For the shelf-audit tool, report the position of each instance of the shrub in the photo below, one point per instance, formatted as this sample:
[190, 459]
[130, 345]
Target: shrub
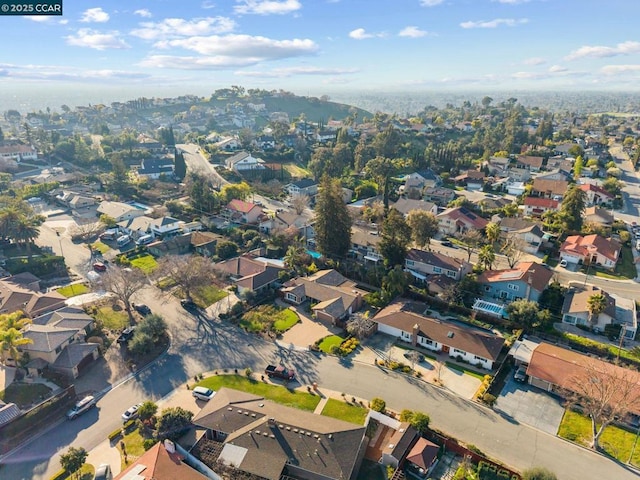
[147, 443]
[115, 434]
[378, 405]
[248, 372]
[489, 399]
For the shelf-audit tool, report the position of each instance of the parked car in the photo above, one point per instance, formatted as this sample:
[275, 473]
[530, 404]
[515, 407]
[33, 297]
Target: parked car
[563, 263]
[141, 308]
[203, 393]
[99, 267]
[279, 371]
[82, 406]
[189, 305]
[447, 243]
[132, 412]
[103, 472]
[521, 374]
[123, 240]
[126, 334]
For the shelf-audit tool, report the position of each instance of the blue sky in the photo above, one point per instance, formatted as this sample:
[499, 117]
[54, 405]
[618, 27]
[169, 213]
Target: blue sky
[327, 45]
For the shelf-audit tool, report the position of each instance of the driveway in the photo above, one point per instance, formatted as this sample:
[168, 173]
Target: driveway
[531, 406]
[306, 331]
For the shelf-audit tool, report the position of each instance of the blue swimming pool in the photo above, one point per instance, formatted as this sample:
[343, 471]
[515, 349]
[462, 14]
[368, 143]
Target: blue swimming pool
[314, 254]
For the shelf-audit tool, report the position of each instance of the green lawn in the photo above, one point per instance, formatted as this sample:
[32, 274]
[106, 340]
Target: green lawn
[112, 319]
[208, 295]
[23, 394]
[327, 342]
[73, 290]
[133, 445]
[100, 247]
[473, 373]
[615, 441]
[344, 411]
[296, 170]
[625, 268]
[146, 263]
[285, 320]
[87, 472]
[276, 393]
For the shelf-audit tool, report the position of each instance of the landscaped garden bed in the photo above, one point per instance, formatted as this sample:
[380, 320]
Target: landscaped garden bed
[337, 345]
[265, 318]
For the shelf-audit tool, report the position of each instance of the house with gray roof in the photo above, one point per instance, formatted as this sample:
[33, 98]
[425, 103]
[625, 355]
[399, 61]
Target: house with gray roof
[273, 441]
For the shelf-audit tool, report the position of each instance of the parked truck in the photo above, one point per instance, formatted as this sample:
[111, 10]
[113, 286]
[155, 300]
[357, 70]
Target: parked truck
[284, 373]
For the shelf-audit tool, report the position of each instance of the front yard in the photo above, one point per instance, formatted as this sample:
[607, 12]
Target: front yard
[265, 318]
[112, 317]
[625, 268]
[329, 343]
[73, 290]
[615, 441]
[208, 295]
[24, 394]
[146, 263]
[348, 412]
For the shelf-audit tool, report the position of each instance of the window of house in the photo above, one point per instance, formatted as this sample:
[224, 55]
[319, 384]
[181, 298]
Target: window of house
[292, 297]
[478, 358]
[487, 288]
[461, 352]
[513, 287]
[410, 263]
[451, 274]
[437, 270]
[58, 349]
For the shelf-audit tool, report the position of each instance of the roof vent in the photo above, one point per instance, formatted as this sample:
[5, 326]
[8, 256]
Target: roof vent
[295, 430]
[391, 445]
[272, 436]
[331, 435]
[265, 434]
[450, 334]
[230, 409]
[253, 415]
[261, 405]
[288, 429]
[239, 411]
[281, 426]
[401, 430]
[316, 436]
[257, 432]
[246, 413]
[308, 434]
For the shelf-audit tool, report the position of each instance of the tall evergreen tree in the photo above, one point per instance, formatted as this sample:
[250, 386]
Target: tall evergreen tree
[333, 223]
[573, 207]
[179, 165]
[395, 238]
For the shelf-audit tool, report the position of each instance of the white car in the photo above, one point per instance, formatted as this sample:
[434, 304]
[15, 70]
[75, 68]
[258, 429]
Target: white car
[132, 412]
[563, 263]
[203, 393]
[82, 406]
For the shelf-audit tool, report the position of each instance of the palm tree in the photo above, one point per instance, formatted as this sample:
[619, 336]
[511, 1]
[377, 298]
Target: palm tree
[596, 304]
[294, 258]
[15, 320]
[492, 230]
[487, 256]
[10, 340]
[27, 230]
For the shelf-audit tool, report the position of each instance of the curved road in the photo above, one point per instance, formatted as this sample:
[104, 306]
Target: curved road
[197, 162]
[201, 345]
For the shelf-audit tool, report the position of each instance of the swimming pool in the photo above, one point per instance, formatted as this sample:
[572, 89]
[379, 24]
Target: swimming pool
[314, 254]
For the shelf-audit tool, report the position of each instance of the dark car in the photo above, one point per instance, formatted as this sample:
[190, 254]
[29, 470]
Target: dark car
[99, 267]
[447, 243]
[521, 374]
[126, 334]
[141, 308]
[189, 305]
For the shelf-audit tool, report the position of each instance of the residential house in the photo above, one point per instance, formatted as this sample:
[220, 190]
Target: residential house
[364, 244]
[406, 321]
[58, 341]
[165, 227]
[561, 163]
[22, 292]
[163, 461]
[18, 152]
[324, 136]
[281, 221]
[529, 162]
[472, 179]
[244, 161]
[562, 149]
[530, 238]
[176, 245]
[266, 142]
[424, 263]
[555, 174]
[538, 206]
[491, 204]
[512, 224]
[460, 219]
[516, 174]
[228, 144]
[136, 227]
[119, 211]
[596, 195]
[515, 188]
[575, 309]
[333, 296]
[554, 189]
[527, 280]
[155, 167]
[272, 441]
[420, 180]
[497, 165]
[205, 243]
[250, 274]
[406, 205]
[239, 211]
[149, 143]
[74, 200]
[557, 370]
[592, 250]
[305, 186]
[439, 195]
[598, 216]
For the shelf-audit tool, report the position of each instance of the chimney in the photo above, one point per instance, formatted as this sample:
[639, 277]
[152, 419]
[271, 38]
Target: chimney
[414, 334]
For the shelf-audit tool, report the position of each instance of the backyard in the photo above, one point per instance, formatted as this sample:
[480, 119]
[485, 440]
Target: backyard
[615, 441]
[24, 394]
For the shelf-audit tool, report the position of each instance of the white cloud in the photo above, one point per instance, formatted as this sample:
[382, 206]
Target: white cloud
[529, 75]
[534, 61]
[412, 32]
[557, 69]
[207, 5]
[619, 69]
[625, 48]
[218, 62]
[179, 27]
[96, 15]
[85, 37]
[509, 22]
[266, 7]
[143, 12]
[361, 34]
[430, 3]
[512, 2]
[245, 45]
[291, 71]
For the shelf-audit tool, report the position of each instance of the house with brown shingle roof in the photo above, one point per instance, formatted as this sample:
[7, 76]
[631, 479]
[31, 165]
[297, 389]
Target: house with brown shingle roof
[249, 274]
[527, 280]
[529, 162]
[555, 189]
[591, 249]
[598, 215]
[575, 309]
[460, 219]
[18, 293]
[273, 441]
[335, 296]
[433, 263]
[406, 321]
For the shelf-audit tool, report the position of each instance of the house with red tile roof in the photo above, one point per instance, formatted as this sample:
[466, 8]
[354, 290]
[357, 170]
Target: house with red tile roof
[537, 206]
[460, 219]
[527, 280]
[161, 462]
[596, 195]
[406, 320]
[240, 211]
[591, 249]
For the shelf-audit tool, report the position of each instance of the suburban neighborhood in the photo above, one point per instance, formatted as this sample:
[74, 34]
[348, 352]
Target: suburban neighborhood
[229, 287]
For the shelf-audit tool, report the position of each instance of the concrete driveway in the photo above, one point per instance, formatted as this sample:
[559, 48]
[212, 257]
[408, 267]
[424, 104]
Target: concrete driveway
[530, 405]
[305, 332]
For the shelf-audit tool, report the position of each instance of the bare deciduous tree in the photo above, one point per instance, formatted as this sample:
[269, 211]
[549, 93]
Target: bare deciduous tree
[605, 393]
[187, 272]
[513, 249]
[414, 357]
[470, 239]
[299, 203]
[123, 283]
[360, 325]
[86, 231]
